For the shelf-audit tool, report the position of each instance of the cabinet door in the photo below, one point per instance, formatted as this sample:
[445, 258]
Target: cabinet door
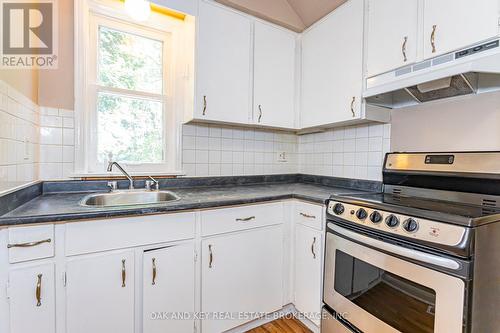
[242, 273]
[223, 71]
[332, 67]
[32, 299]
[100, 293]
[458, 23]
[308, 258]
[392, 35]
[168, 287]
[274, 76]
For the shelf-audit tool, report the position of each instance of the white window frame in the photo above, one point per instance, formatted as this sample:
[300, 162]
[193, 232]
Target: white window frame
[89, 15]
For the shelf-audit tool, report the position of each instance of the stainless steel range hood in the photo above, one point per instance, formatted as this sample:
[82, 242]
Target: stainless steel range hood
[469, 71]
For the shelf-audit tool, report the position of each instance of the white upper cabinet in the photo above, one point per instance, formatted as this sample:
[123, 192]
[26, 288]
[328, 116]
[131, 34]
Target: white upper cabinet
[392, 35]
[168, 286]
[332, 67]
[223, 79]
[100, 293]
[274, 76]
[452, 24]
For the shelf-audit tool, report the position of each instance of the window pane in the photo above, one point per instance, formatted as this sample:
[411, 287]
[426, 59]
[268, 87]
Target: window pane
[129, 61]
[129, 128]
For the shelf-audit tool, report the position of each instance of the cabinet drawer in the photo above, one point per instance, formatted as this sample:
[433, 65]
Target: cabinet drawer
[29, 243]
[309, 215]
[120, 233]
[240, 218]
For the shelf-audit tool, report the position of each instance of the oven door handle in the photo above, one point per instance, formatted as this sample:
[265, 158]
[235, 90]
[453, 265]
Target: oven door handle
[398, 250]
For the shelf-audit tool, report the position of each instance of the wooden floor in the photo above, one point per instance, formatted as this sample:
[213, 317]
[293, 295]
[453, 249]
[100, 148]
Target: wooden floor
[284, 325]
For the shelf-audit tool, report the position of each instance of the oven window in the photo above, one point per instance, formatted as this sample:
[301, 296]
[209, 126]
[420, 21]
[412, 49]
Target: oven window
[400, 303]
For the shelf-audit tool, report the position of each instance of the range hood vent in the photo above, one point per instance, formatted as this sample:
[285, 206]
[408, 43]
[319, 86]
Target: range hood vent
[471, 71]
[457, 85]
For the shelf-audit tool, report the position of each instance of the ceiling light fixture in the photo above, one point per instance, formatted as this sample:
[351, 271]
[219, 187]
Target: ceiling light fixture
[139, 10]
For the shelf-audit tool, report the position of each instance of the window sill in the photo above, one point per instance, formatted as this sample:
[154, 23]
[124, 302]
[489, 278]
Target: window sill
[109, 175]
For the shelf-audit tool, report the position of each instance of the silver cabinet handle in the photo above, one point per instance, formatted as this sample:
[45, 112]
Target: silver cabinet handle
[38, 291]
[246, 219]
[308, 216]
[433, 38]
[403, 49]
[312, 248]
[154, 271]
[210, 256]
[352, 106]
[260, 113]
[204, 105]
[124, 273]
[30, 244]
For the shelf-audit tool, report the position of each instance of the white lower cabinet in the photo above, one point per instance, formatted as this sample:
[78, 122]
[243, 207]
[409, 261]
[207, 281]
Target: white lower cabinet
[308, 259]
[32, 299]
[145, 282]
[242, 274]
[100, 293]
[168, 289]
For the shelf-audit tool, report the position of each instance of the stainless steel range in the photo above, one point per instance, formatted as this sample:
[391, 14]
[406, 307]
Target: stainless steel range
[421, 257]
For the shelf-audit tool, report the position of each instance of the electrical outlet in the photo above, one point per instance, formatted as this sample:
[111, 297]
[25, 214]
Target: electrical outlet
[282, 157]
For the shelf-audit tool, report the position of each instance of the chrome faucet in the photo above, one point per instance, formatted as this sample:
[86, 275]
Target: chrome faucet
[110, 168]
[152, 184]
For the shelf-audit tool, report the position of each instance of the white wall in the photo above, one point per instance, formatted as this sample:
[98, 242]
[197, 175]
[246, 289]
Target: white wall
[461, 124]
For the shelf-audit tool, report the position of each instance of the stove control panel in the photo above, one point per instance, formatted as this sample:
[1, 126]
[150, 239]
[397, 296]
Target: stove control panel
[399, 224]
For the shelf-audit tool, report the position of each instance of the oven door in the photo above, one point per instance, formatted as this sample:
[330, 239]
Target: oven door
[378, 292]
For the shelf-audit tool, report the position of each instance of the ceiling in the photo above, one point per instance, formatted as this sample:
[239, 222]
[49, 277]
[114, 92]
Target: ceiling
[296, 15]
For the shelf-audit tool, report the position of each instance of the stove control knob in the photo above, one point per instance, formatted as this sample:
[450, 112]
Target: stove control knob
[338, 209]
[392, 221]
[361, 214]
[375, 217]
[410, 225]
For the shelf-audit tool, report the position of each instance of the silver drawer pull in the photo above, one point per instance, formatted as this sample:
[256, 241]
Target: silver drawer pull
[204, 112]
[38, 291]
[312, 248]
[124, 274]
[308, 216]
[246, 219]
[403, 48]
[210, 256]
[154, 272]
[30, 244]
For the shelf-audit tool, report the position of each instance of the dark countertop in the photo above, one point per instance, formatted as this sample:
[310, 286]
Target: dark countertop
[54, 207]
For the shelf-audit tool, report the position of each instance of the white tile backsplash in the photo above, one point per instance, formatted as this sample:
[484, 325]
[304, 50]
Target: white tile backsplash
[210, 150]
[352, 152]
[19, 136]
[57, 143]
[35, 142]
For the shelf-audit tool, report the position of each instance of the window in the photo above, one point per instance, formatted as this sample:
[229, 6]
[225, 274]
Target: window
[129, 101]
[131, 93]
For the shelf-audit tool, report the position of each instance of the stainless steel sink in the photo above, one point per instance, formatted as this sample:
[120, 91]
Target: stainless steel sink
[129, 198]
